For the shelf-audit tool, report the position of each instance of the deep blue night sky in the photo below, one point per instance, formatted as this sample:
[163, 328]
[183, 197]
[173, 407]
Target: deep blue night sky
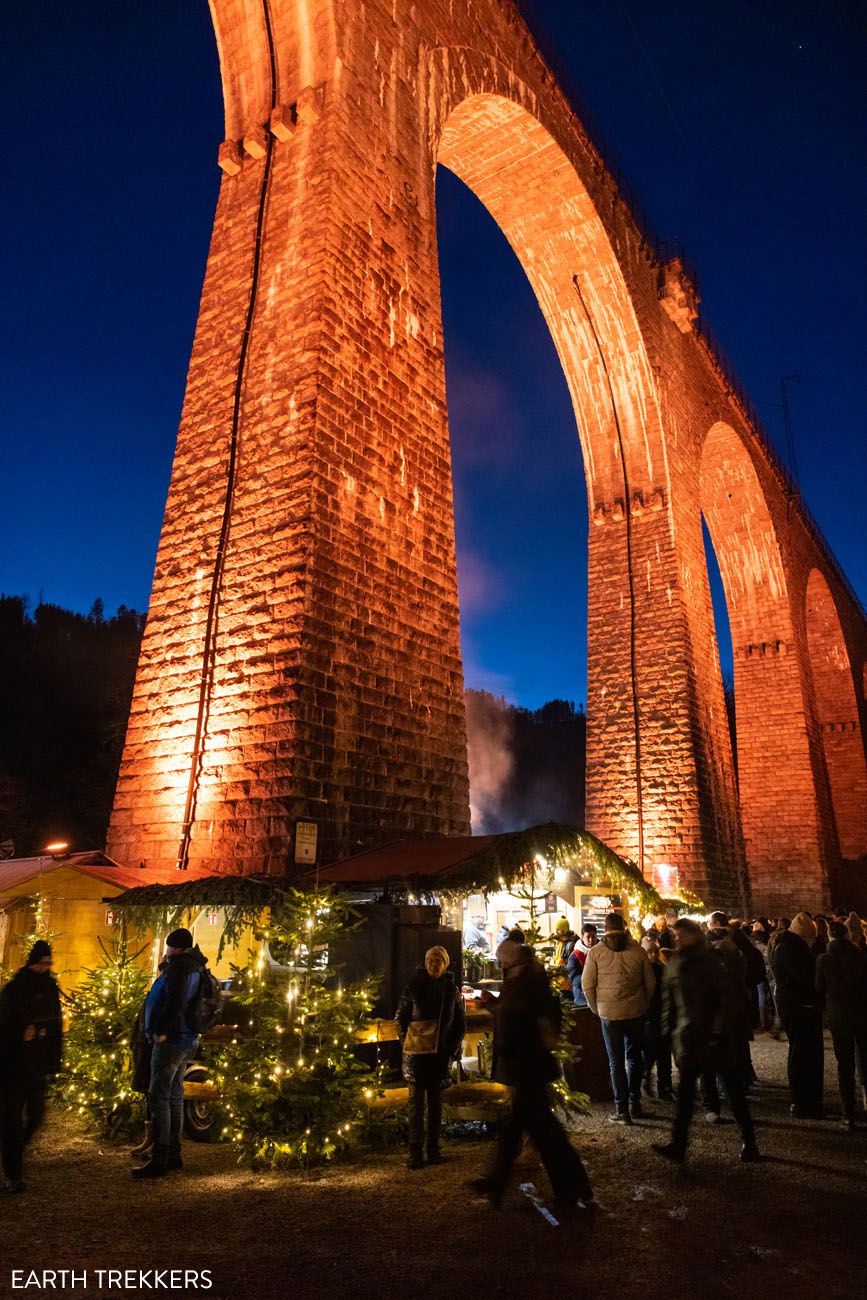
[743, 129]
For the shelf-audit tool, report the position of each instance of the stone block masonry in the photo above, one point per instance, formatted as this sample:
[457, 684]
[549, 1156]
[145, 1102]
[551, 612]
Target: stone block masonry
[316, 647]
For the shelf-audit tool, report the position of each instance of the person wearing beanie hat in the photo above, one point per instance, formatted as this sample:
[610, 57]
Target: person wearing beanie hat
[31, 1040]
[169, 1025]
[430, 1026]
[793, 963]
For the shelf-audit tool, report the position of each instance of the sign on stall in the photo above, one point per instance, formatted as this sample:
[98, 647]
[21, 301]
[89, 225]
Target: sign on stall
[595, 906]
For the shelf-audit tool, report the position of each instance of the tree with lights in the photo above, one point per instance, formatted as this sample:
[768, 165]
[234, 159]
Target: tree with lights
[97, 1077]
[293, 1088]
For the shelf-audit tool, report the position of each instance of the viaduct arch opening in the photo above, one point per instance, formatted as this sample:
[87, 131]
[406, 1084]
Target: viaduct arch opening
[516, 169]
[835, 708]
[775, 777]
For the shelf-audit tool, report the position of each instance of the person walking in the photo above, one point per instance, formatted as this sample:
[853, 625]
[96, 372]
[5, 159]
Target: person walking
[31, 1041]
[430, 1024]
[170, 1026]
[527, 1020]
[794, 967]
[700, 1012]
[618, 983]
[841, 982]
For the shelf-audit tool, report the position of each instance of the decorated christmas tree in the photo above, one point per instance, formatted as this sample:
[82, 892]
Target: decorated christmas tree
[294, 1090]
[96, 1052]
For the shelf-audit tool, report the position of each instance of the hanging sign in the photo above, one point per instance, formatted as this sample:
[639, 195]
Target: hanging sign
[551, 903]
[109, 917]
[213, 918]
[306, 836]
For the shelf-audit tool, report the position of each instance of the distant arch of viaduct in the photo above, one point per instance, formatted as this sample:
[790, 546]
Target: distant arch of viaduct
[302, 654]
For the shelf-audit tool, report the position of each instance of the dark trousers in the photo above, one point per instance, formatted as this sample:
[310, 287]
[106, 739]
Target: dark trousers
[850, 1048]
[22, 1103]
[166, 1092]
[623, 1040]
[803, 1027]
[657, 1051]
[530, 1112]
[418, 1093]
[732, 1082]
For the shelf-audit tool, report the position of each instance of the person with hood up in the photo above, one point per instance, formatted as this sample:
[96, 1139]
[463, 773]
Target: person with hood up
[618, 983]
[700, 1013]
[794, 966]
[169, 1026]
[841, 982]
[527, 1020]
[430, 1025]
[31, 1038]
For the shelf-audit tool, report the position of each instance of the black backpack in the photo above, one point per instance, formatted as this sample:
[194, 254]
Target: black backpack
[207, 1005]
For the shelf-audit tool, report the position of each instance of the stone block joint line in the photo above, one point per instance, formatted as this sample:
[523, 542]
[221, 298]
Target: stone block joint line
[209, 647]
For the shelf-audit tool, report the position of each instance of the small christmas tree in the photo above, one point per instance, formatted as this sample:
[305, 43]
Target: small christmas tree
[97, 1060]
[294, 1090]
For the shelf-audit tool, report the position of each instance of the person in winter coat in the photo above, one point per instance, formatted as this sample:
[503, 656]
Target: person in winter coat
[169, 1027]
[31, 1038]
[700, 1012]
[657, 1050]
[855, 927]
[794, 967]
[841, 982]
[430, 1025]
[576, 960]
[527, 1019]
[618, 983]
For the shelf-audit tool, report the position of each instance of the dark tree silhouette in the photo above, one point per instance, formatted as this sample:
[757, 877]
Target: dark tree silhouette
[65, 690]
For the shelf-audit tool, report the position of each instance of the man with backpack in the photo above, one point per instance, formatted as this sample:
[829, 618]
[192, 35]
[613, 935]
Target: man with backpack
[183, 1002]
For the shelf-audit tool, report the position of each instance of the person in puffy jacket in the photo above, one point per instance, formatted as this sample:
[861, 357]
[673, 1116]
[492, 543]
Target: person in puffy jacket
[527, 1020]
[31, 1036]
[841, 982]
[794, 967]
[168, 1027]
[618, 983]
[430, 1024]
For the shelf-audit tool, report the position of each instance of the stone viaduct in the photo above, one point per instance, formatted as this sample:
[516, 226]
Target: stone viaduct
[302, 654]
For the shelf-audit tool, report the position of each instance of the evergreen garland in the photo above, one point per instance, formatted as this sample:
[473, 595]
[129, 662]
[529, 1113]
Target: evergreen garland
[293, 1089]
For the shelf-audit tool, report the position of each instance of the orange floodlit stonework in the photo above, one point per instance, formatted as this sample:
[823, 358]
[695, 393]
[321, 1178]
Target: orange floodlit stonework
[302, 655]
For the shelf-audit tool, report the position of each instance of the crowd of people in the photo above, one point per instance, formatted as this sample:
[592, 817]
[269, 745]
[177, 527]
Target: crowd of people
[688, 993]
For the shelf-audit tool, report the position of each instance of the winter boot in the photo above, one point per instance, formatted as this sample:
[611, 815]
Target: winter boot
[620, 1116]
[174, 1161]
[144, 1147]
[157, 1166]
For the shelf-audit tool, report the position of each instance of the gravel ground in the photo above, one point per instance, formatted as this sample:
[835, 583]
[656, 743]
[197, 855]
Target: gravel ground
[790, 1227]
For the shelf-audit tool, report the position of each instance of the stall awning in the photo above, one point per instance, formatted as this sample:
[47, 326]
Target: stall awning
[463, 863]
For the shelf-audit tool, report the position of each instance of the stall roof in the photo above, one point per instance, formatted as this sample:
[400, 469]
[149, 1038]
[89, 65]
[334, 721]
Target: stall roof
[95, 863]
[462, 863]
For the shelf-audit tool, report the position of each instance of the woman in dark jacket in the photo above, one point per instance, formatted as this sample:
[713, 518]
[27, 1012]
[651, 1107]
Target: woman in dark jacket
[794, 967]
[527, 1023]
[430, 1025]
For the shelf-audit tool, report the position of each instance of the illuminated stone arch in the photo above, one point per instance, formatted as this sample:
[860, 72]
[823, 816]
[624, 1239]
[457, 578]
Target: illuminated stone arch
[302, 653]
[775, 773]
[835, 711]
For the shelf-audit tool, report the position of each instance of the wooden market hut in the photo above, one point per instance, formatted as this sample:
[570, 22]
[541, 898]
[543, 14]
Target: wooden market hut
[70, 898]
